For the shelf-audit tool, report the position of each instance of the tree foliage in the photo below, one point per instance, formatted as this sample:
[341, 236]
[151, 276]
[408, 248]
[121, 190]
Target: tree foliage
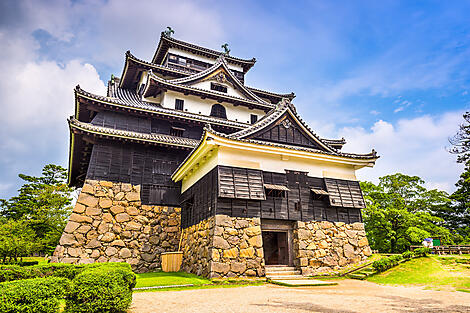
[399, 212]
[42, 204]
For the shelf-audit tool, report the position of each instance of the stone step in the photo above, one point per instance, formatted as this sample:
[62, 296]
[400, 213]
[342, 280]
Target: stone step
[285, 277]
[302, 282]
[357, 276]
[279, 273]
[280, 268]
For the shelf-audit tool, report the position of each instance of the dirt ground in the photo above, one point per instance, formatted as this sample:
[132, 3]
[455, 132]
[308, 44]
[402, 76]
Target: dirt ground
[347, 296]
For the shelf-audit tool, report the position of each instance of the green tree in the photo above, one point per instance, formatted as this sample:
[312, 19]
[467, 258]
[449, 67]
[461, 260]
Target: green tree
[17, 239]
[399, 212]
[44, 203]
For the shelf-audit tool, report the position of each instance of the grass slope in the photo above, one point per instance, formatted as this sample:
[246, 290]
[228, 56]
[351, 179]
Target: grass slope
[450, 272]
[168, 279]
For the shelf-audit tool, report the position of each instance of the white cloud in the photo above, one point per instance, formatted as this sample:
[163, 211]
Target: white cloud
[411, 146]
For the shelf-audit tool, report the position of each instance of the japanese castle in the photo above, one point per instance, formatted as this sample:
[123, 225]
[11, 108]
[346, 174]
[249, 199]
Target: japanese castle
[182, 155]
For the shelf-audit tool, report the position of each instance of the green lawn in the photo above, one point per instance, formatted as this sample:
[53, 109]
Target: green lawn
[168, 279]
[155, 279]
[451, 272]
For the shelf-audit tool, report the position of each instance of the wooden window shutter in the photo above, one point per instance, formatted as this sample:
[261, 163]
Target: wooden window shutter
[241, 183]
[344, 193]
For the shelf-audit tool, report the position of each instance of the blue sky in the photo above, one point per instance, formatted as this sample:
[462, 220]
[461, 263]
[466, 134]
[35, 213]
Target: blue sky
[389, 75]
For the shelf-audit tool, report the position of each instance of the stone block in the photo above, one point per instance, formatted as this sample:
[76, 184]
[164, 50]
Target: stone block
[79, 208]
[91, 211]
[256, 241]
[363, 242]
[108, 237]
[71, 227]
[348, 251]
[116, 209]
[250, 273]
[237, 267]
[241, 223]
[122, 217]
[247, 253]
[125, 253]
[223, 220]
[118, 243]
[80, 218]
[358, 226]
[107, 217]
[253, 231]
[231, 231]
[67, 240]
[110, 251]
[220, 243]
[132, 210]
[231, 253]
[92, 244]
[221, 268]
[303, 261]
[107, 184]
[133, 196]
[133, 226]
[87, 200]
[105, 203]
[87, 188]
[304, 234]
[83, 229]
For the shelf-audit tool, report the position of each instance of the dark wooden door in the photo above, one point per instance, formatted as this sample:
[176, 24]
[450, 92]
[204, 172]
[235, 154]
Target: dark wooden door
[275, 248]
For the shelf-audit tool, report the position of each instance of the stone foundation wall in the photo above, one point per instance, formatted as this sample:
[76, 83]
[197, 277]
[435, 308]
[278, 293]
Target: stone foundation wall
[224, 246]
[109, 224]
[196, 245]
[321, 247]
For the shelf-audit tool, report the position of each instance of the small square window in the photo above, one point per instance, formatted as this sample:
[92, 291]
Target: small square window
[179, 104]
[253, 118]
[217, 87]
[176, 131]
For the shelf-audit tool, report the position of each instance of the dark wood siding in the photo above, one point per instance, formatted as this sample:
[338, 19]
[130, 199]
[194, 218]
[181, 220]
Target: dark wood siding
[199, 201]
[150, 167]
[299, 203]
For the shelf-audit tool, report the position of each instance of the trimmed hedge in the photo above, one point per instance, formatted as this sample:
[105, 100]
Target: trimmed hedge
[102, 289]
[39, 295]
[15, 272]
[98, 287]
[392, 261]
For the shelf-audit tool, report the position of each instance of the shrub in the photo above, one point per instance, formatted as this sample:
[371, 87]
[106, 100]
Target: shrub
[105, 288]
[407, 255]
[15, 272]
[39, 295]
[386, 263]
[423, 251]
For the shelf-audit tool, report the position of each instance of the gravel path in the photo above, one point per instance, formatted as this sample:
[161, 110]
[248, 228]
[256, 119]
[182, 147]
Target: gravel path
[347, 296]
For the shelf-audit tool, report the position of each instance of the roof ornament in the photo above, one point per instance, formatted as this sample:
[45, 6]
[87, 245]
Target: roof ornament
[169, 31]
[226, 49]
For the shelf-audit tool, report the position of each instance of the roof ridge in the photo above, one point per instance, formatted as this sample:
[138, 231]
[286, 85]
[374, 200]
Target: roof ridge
[163, 36]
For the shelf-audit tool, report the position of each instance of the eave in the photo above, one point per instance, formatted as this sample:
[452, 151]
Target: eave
[211, 141]
[82, 113]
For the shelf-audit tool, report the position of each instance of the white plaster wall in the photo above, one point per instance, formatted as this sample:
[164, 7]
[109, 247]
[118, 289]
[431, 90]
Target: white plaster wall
[206, 85]
[203, 169]
[202, 58]
[278, 163]
[197, 105]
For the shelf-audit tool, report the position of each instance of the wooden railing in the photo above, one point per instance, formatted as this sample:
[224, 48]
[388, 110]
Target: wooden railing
[464, 249]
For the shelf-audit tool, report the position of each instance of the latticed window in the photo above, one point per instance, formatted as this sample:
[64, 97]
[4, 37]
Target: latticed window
[179, 104]
[218, 110]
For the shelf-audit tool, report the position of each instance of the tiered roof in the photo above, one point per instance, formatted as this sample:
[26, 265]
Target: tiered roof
[122, 96]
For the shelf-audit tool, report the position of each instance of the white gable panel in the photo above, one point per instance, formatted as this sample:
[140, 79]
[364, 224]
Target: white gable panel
[197, 105]
[206, 85]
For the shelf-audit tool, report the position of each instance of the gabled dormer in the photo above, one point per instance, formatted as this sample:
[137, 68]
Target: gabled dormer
[283, 125]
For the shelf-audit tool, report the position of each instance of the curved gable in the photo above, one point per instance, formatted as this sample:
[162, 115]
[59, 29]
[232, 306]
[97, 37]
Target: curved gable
[288, 131]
